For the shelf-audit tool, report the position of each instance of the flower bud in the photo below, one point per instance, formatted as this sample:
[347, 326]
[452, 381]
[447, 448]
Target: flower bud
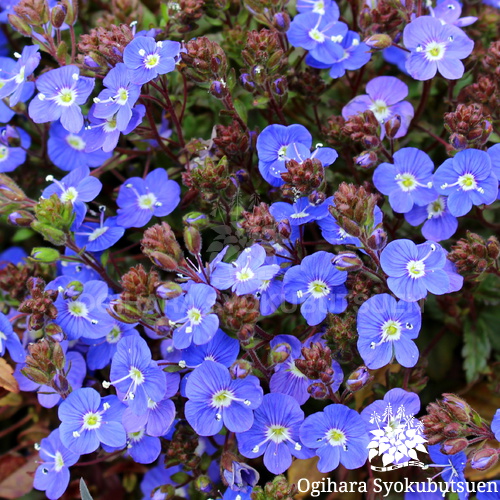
[284, 228]
[168, 290]
[21, 218]
[203, 484]
[378, 41]
[89, 62]
[196, 219]
[392, 126]
[347, 261]
[219, 89]
[58, 15]
[73, 290]
[484, 459]
[358, 379]
[246, 82]
[192, 240]
[457, 407]
[281, 21]
[318, 390]
[378, 239]
[280, 353]
[20, 25]
[245, 334]
[453, 430]
[44, 254]
[316, 198]
[280, 86]
[366, 159]
[241, 368]
[453, 446]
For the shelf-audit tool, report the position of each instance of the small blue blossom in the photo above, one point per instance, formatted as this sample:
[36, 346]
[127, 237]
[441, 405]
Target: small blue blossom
[241, 477]
[386, 329]
[414, 270]
[246, 274]
[449, 12]
[142, 448]
[141, 199]
[275, 433]
[87, 421]
[12, 157]
[318, 286]
[318, 6]
[338, 435]
[491, 491]
[52, 475]
[434, 47]
[452, 469]
[96, 237]
[193, 312]
[146, 59]
[10, 341]
[136, 377]
[467, 179]
[408, 181]
[61, 92]
[216, 400]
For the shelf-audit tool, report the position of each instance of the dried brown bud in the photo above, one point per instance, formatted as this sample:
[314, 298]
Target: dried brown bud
[259, 224]
[160, 245]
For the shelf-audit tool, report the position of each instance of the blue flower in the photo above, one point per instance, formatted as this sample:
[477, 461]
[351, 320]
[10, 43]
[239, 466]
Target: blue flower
[77, 187]
[395, 55]
[414, 270]
[318, 286]
[241, 477]
[434, 47]
[146, 59]
[453, 467]
[52, 475]
[12, 157]
[61, 92]
[158, 476]
[118, 98]
[495, 425]
[339, 435]
[355, 55]
[84, 315]
[467, 179]
[96, 237]
[215, 400]
[135, 375]
[246, 274]
[193, 312]
[16, 84]
[67, 150]
[439, 223]
[408, 181]
[275, 433]
[272, 144]
[142, 448]
[494, 154]
[386, 329]
[449, 11]
[385, 98]
[10, 341]
[220, 348]
[141, 199]
[87, 421]
[491, 491]
[318, 6]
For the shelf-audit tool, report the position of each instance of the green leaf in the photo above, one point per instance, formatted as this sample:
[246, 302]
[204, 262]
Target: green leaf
[22, 234]
[241, 109]
[476, 349]
[180, 477]
[84, 491]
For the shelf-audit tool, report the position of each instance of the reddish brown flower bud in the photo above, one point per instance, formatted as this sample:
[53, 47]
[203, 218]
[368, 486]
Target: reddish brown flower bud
[160, 245]
[301, 179]
[260, 224]
[453, 446]
[484, 459]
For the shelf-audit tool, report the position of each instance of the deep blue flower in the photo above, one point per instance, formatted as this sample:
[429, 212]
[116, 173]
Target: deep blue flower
[7, 67]
[158, 476]
[141, 199]
[146, 59]
[10, 341]
[96, 237]
[52, 475]
[385, 98]
[15, 85]
[408, 181]
[77, 187]
[87, 421]
[395, 55]
[12, 157]
[61, 92]
[491, 491]
[318, 286]
[386, 329]
[84, 315]
[494, 154]
[193, 313]
[434, 47]
[215, 400]
[67, 150]
[452, 467]
[439, 223]
[136, 377]
[142, 448]
[339, 435]
[275, 433]
[118, 98]
[76, 270]
[414, 270]
[246, 274]
[449, 12]
[15, 255]
[467, 179]
[220, 348]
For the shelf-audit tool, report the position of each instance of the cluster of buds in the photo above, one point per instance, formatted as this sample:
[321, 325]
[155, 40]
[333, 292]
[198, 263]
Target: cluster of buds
[364, 128]
[212, 179]
[232, 142]
[473, 255]
[484, 91]
[301, 179]
[138, 297]
[277, 489]
[13, 279]
[468, 126]
[103, 48]
[317, 366]
[181, 449]
[121, 11]
[451, 421]
[12, 197]
[491, 61]
[387, 17]
[353, 210]
[39, 304]
[271, 13]
[240, 313]
[161, 246]
[259, 224]
[45, 365]
[307, 83]
[53, 219]
[342, 333]
[183, 14]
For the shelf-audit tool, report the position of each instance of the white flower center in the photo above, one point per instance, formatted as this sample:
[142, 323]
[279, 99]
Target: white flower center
[66, 97]
[151, 61]
[222, 398]
[98, 232]
[245, 274]
[58, 461]
[4, 153]
[336, 437]
[70, 194]
[147, 201]
[135, 437]
[75, 142]
[318, 289]
[436, 208]
[316, 35]
[407, 182]
[122, 96]
[92, 420]
[78, 309]
[416, 268]
[434, 51]
[319, 7]
[194, 315]
[114, 336]
[278, 434]
[299, 215]
[467, 182]
[380, 109]
[136, 375]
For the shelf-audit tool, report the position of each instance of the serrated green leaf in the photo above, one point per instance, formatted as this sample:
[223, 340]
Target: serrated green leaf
[84, 491]
[476, 349]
